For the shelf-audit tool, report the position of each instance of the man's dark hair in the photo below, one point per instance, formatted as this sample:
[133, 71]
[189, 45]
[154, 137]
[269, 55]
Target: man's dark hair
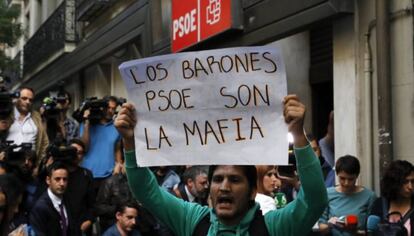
[394, 178]
[12, 187]
[348, 164]
[55, 166]
[31, 155]
[192, 173]
[249, 171]
[121, 206]
[111, 98]
[28, 88]
[78, 142]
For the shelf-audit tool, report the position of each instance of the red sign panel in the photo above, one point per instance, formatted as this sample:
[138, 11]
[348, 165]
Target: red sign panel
[196, 20]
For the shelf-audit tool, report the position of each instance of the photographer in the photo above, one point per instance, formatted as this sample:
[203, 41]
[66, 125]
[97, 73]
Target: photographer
[102, 140]
[59, 126]
[70, 126]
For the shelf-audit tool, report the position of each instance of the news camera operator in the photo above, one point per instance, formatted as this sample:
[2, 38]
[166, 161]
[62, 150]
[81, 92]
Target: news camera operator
[102, 140]
[59, 126]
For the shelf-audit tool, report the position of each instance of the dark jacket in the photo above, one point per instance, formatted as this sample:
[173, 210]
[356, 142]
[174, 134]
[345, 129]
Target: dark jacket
[80, 195]
[112, 192]
[45, 219]
[180, 192]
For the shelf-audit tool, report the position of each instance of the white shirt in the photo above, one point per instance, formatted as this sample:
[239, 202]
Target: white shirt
[266, 203]
[56, 201]
[24, 131]
[189, 195]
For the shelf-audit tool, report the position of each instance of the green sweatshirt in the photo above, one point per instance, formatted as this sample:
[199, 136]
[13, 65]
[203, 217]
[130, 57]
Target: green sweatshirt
[297, 218]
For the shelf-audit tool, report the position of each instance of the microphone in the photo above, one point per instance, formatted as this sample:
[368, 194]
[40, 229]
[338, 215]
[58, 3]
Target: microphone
[348, 222]
[372, 223]
[351, 220]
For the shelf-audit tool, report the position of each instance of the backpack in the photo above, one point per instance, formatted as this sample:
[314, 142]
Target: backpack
[386, 228]
[257, 226]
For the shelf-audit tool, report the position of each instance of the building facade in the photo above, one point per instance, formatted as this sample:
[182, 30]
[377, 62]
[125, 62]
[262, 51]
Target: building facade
[329, 47]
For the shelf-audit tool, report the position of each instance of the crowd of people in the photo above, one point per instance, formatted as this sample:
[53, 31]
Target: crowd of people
[65, 176]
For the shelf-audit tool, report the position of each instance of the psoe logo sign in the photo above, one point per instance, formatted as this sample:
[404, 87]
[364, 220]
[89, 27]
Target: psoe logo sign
[196, 20]
[213, 12]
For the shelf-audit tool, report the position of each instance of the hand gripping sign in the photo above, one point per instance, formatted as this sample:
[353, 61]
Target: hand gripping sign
[209, 107]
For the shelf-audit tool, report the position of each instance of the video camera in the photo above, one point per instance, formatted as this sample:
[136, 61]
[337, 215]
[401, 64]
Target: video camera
[6, 102]
[14, 155]
[50, 107]
[50, 104]
[97, 108]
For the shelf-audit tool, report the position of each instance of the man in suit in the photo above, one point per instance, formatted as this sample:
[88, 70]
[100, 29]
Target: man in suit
[50, 216]
[194, 187]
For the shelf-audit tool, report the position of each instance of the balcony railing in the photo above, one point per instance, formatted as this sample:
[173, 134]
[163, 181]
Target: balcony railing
[52, 36]
[88, 9]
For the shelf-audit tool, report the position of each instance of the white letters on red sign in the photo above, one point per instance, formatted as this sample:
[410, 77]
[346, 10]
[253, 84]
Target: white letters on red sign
[185, 24]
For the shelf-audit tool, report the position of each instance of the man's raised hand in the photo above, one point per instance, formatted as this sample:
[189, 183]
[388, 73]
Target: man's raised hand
[125, 123]
[294, 113]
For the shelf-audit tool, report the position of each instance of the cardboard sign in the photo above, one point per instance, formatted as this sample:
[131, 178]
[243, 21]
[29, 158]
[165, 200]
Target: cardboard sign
[209, 107]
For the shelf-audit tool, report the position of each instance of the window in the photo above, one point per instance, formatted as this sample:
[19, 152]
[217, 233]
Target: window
[160, 20]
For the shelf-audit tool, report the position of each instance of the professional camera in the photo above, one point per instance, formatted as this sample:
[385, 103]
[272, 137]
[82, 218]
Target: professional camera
[64, 154]
[51, 104]
[120, 101]
[61, 97]
[51, 110]
[97, 108]
[14, 155]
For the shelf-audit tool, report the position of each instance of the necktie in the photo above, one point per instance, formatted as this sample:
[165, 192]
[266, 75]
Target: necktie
[63, 220]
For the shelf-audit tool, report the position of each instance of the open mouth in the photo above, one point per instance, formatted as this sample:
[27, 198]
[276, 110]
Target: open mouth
[224, 200]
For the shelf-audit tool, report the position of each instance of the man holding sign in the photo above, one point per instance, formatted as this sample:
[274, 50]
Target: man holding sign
[222, 105]
[233, 189]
